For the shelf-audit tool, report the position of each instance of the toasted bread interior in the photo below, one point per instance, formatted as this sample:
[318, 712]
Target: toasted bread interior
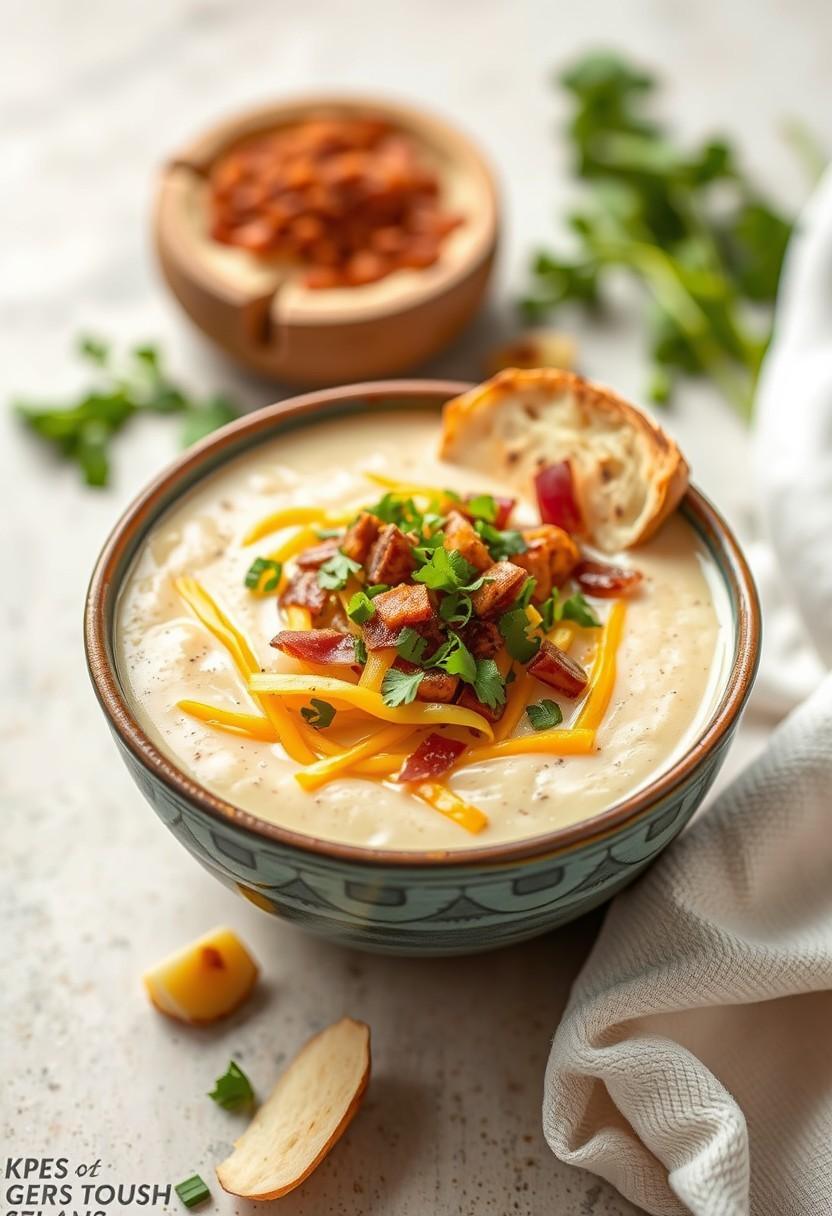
[628, 474]
[304, 1116]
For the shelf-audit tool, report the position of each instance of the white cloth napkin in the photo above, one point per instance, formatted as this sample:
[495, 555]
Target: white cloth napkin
[693, 1065]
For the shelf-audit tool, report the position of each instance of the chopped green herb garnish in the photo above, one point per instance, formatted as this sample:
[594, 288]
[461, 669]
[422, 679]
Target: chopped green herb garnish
[482, 506]
[447, 570]
[318, 713]
[455, 658]
[489, 685]
[83, 430]
[259, 567]
[411, 646]
[396, 509]
[360, 650]
[544, 715]
[233, 1089]
[360, 608]
[548, 609]
[577, 609]
[400, 687]
[377, 589]
[514, 627]
[526, 592]
[456, 608]
[500, 544]
[335, 572]
[192, 1191]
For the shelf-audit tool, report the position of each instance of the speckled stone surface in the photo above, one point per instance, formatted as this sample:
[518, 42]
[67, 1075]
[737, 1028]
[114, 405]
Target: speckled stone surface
[93, 887]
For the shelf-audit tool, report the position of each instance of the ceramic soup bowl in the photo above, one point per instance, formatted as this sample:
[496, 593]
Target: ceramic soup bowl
[459, 902]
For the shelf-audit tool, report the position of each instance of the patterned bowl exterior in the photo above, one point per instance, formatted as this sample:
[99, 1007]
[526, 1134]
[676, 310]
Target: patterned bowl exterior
[463, 903]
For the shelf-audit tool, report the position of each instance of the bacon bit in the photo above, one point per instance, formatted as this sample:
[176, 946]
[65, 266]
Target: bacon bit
[433, 757]
[317, 646]
[377, 635]
[403, 605]
[606, 582]
[555, 487]
[482, 638]
[469, 700]
[361, 536]
[435, 685]
[314, 557]
[504, 506]
[460, 535]
[554, 667]
[550, 558]
[500, 591]
[390, 560]
[304, 591]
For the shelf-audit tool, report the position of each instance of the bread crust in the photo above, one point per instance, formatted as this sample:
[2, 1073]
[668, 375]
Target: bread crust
[629, 474]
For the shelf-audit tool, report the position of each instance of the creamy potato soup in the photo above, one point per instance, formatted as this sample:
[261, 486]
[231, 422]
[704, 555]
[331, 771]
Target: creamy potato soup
[619, 686]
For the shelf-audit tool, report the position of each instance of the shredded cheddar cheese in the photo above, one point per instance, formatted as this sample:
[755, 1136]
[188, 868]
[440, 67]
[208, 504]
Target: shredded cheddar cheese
[557, 742]
[378, 664]
[286, 517]
[453, 807]
[426, 713]
[297, 617]
[602, 679]
[294, 543]
[253, 725]
[316, 775]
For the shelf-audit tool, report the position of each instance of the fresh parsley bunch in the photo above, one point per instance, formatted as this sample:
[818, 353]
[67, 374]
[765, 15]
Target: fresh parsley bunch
[687, 224]
[82, 431]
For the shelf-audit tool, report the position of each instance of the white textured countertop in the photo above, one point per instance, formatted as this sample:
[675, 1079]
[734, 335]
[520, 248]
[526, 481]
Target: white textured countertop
[94, 95]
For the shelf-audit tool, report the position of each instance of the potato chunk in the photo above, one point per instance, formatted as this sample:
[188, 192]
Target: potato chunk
[550, 558]
[204, 981]
[306, 1113]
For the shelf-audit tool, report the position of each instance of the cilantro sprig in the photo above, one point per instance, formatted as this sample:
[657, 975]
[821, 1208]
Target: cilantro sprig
[575, 608]
[514, 627]
[233, 1089]
[336, 570]
[82, 430]
[544, 715]
[400, 687]
[500, 544]
[318, 713]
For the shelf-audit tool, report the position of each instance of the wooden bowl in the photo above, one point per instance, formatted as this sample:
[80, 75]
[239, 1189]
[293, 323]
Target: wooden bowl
[259, 312]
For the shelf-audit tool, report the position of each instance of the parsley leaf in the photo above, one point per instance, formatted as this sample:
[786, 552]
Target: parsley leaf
[255, 572]
[411, 646]
[458, 660]
[83, 430]
[544, 715]
[318, 713]
[333, 574]
[361, 608]
[500, 544]
[456, 608]
[526, 592]
[482, 506]
[577, 609]
[233, 1089]
[488, 684]
[400, 687]
[514, 626]
[446, 571]
[360, 650]
[395, 509]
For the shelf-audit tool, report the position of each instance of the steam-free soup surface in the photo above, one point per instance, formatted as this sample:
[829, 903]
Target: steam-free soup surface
[671, 664]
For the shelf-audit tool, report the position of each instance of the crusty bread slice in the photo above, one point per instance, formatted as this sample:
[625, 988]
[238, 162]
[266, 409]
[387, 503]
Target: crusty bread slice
[629, 475]
[306, 1113]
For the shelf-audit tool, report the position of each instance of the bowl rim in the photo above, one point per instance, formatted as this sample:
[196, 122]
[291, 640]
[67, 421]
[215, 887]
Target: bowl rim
[103, 592]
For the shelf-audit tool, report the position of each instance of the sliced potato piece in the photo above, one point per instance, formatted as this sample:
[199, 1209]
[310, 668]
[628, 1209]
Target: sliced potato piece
[306, 1113]
[204, 981]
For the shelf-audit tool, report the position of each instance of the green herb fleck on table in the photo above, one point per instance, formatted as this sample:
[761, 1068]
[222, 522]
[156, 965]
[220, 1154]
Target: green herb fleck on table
[544, 715]
[192, 1191]
[233, 1089]
[82, 431]
[688, 225]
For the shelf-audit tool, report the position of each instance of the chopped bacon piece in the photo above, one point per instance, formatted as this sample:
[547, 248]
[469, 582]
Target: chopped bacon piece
[468, 699]
[435, 685]
[501, 589]
[433, 757]
[505, 506]
[304, 591]
[328, 646]
[360, 537]
[482, 638]
[550, 558]
[403, 605]
[556, 498]
[607, 582]
[460, 535]
[390, 560]
[314, 557]
[377, 635]
[554, 667]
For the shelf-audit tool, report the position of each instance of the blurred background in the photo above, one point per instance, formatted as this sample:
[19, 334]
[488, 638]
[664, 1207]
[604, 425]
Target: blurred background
[95, 97]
